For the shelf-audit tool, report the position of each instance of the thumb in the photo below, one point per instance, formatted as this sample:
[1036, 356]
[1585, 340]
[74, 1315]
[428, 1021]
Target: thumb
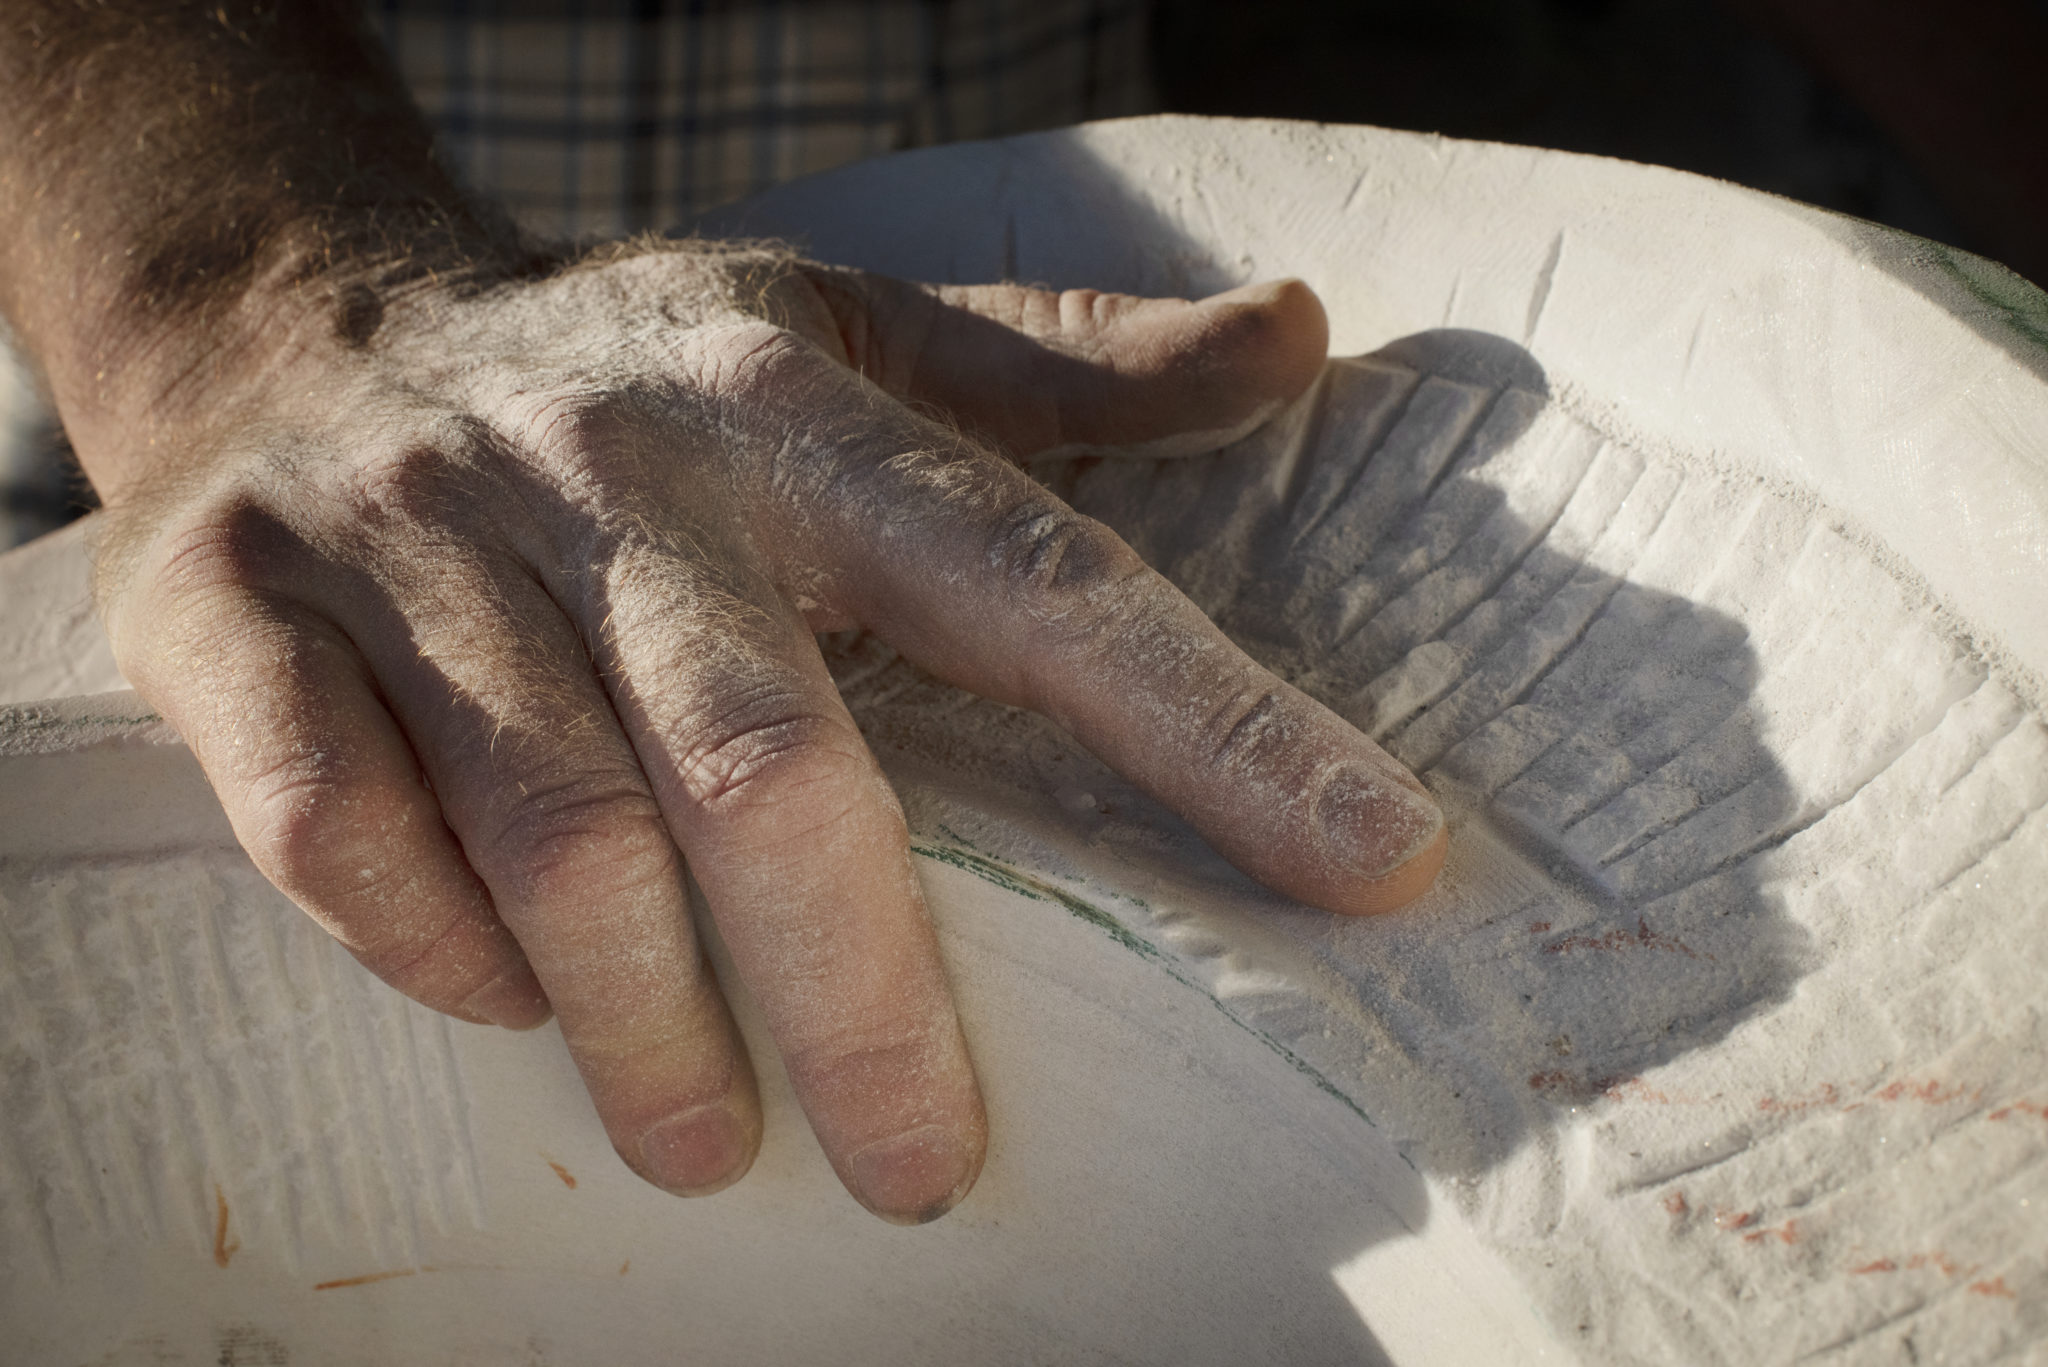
[1030, 370]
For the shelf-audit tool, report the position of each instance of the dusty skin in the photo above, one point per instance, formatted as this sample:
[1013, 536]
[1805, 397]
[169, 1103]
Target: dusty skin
[487, 608]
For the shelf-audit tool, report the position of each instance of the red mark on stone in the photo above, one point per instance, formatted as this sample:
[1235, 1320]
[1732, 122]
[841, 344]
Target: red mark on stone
[2032, 1108]
[1538, 927]
[1787, 1233]
[1734, 1220]
[1826, 1096]
[1994, 1286]
[1675, 1203]
[1642, 937]
[1930, 1092]
[1634, 1089]
[1937, 1260]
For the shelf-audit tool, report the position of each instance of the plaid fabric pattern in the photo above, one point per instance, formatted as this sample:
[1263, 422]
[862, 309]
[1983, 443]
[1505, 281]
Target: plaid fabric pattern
[600, 119]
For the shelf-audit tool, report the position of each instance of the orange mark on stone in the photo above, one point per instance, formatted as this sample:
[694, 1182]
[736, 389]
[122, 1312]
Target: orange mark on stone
[1787, 1233]
[624, 1266]
[224, 1248]
[1642, 937]
[2032, 1108]
[1930, 1092]
[1993, 1286]
[568, 1179]
[1733, 1220]
[1937, 1260]
[1634, 1089]
[1827, 1095]
[368, 1277]
[1675, 1203]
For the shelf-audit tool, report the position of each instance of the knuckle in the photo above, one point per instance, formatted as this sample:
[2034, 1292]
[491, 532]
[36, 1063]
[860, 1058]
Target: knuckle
[1246, 729]
[311, 827]
[1062, 569]
[408, 482]
[238, 544]
[751, 362]
[591, 836]
[766, 750]
[575, 425]
[326, 842]
[869, 1059]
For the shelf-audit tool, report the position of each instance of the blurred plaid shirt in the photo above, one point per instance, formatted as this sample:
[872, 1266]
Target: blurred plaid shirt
[597, 119]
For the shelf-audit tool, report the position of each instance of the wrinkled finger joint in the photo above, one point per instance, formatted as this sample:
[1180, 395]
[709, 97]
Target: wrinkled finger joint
[766, 746]
[590, 838]
[1059, 565]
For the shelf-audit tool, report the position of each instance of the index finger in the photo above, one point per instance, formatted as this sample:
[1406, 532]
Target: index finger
[1013, 594]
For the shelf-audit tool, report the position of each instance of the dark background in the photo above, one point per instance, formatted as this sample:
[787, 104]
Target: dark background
[1927, 115]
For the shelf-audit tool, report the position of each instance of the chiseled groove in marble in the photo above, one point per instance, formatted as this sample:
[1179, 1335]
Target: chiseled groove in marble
[2009, 714]
[1298, 434]
[1485, 557]
[1515, 659]
[1569, 787]
[375, 1212]
[1412, 478]
[1574, 646]
[23, 1179]
[249, 1107]
[457, 1152]
[1388, 392]
[310, 1177]
[197, 1115]
[1988, 786]
[1401, 470]
[291, 1093]
[178, 1166]
[61, 1136]
[154, 1220]
[109, 1146]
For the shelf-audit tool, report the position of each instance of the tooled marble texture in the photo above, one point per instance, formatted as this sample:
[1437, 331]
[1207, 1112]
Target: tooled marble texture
[186, 1060]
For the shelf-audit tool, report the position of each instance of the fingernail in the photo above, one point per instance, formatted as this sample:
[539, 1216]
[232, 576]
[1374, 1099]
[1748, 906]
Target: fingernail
[913, 1178]
[514, 1001]
[696, 1152]
[1373, 823]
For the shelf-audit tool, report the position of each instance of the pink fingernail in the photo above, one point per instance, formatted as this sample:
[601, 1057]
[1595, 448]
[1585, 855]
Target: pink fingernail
[915, 1177]
[696, 1152]
[514, 1001]
[1373, 823]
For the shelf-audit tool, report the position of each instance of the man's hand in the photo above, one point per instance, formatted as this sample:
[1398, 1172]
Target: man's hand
[485, 627]
[485, 597]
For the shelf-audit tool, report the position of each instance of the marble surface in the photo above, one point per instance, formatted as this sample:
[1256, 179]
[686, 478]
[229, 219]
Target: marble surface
[1690, 543]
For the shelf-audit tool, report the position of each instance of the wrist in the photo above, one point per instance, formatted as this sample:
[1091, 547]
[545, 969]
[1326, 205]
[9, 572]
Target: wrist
[193, 190]
[142, 378]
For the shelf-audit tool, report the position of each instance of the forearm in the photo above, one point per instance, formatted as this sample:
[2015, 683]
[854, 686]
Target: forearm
[186, 187]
